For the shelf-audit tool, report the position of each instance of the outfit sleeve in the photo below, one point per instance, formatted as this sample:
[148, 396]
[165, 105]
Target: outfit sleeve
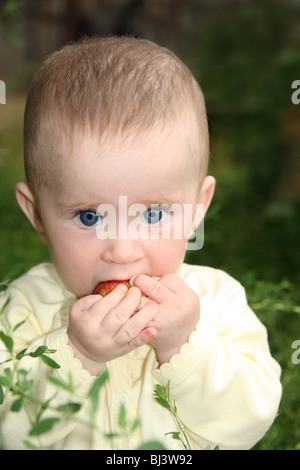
[224, 381]
[33, 332]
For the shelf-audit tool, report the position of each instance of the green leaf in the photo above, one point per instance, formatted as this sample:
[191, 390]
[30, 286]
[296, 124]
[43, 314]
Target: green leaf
[39, 351]
[110, 435]
[29, 445]
[122, 417]
[12, 273]
[174, 408]
[50, 362]
[21, 354]
[175, 435]
[163, 402]
[61, 383]
[135, 424]
[17, 404]
[43, 408]
[5, 381]
[8, 377]
[1, 395]
[152, 445]
[95, 388]
[18, 325]
[43, 426]
[160, 391]
[69, 408]
[27, 385]
[6, 302]
[8, 341]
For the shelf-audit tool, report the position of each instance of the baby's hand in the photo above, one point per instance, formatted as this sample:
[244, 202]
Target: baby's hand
[104, 328]
[178, 312]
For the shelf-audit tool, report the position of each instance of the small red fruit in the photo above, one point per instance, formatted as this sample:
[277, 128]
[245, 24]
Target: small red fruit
[105, 287]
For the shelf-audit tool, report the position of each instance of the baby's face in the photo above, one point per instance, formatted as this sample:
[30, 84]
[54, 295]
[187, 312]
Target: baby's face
[109, 197]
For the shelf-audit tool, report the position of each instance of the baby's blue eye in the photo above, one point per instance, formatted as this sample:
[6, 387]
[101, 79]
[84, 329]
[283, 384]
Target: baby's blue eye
[88, 218]
[153, 215]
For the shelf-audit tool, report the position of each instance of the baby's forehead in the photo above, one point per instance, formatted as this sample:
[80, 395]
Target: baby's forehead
[170, 145]
[159, 148]
[85, 142]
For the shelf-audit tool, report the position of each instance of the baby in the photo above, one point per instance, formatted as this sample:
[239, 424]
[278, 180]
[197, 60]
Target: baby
[112, 118]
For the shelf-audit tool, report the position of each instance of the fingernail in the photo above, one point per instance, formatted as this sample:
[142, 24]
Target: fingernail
[122, 286]
[135, 290]
[132, 279]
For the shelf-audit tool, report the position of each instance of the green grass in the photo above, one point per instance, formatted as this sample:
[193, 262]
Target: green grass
[19, 243]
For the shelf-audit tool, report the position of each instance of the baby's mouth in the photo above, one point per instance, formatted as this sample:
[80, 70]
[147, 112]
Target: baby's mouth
[105, 287]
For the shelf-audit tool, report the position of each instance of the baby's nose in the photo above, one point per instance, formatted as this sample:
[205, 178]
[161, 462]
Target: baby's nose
[122, 251]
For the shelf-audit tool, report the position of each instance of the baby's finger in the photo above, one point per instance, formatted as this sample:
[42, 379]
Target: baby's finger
[173, 282]
[114, 297]
[151, 287]
[144, 337]
[143, 301]
[136, 324]
[85, 303]
[122, 311]
[103, 305]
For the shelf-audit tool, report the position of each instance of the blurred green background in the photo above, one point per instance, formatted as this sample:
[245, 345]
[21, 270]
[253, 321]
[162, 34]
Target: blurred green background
[245, 56]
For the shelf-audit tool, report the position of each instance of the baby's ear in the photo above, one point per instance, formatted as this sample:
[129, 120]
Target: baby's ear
[204, 199]
[27, 203]
[207, 192]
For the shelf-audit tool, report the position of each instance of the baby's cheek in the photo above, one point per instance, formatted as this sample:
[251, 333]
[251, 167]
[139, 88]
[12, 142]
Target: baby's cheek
[167, 256]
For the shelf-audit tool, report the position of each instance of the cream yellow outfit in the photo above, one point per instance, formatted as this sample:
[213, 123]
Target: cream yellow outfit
[224, 381]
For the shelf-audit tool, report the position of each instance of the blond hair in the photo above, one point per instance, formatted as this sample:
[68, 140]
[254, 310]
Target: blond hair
[108, 85]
